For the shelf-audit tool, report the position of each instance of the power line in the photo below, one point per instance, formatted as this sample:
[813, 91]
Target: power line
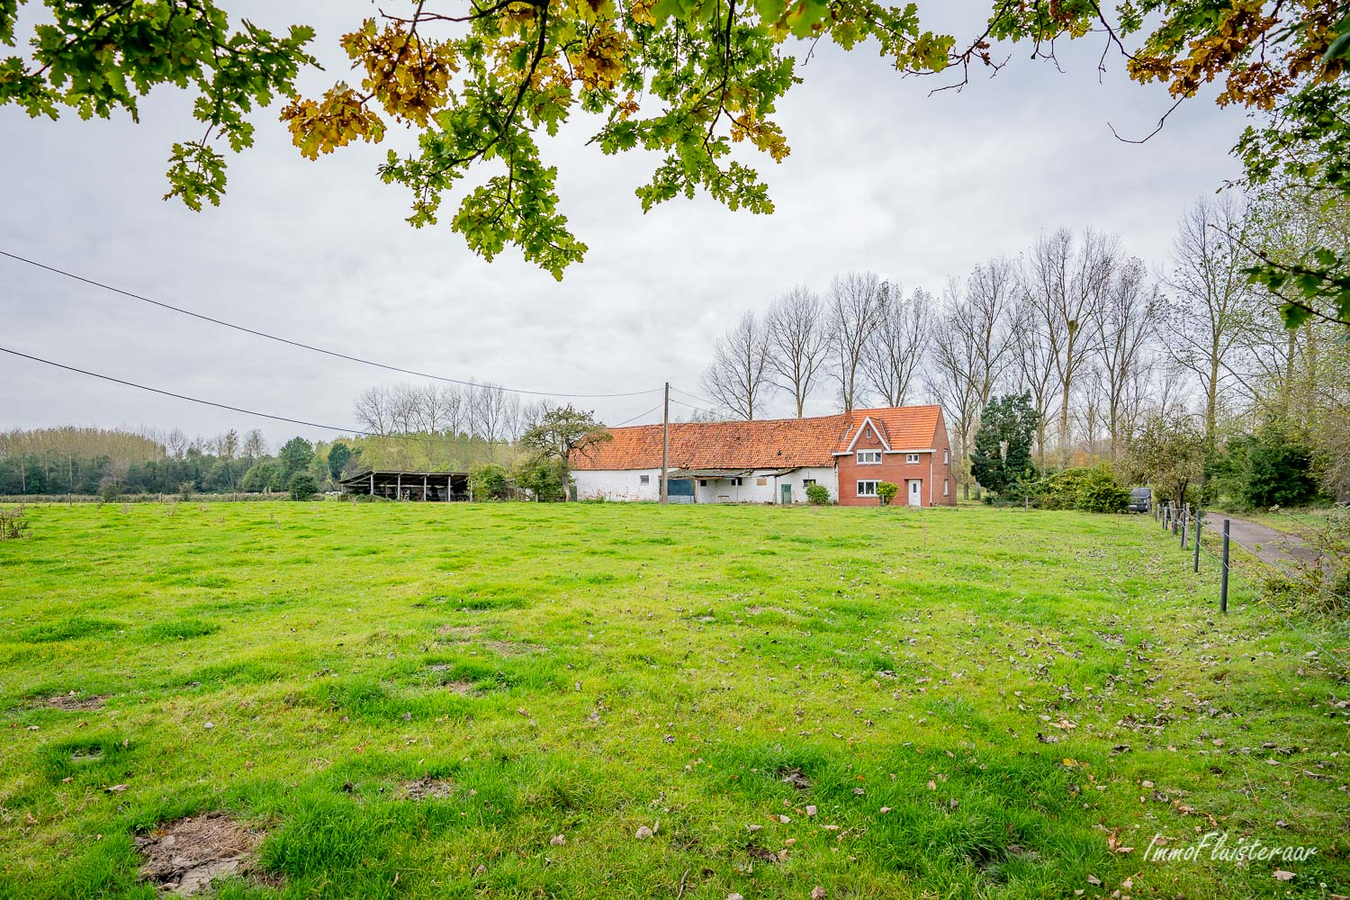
[303, 346]
[692, 406]
[693, 396]
[153, 390]
[341, 429]
[638, 416]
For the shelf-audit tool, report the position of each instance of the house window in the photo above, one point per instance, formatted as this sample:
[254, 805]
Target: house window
[703, 482]
[945, 458]
[912, 458]
[807, 482]
[736, 481]
[867, 489]
[869, 457]
[946, 487]
[644, 479]
[761, 481]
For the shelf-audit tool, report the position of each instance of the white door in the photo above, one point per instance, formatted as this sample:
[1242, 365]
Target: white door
[915, 485]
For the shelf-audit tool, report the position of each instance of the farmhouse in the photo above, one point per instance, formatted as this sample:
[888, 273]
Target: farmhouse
[774, 460]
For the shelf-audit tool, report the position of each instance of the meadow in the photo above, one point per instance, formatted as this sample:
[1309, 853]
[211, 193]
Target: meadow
[603, 700]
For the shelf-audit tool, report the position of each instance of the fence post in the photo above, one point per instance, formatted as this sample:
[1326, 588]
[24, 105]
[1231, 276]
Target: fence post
[1196, 538]
[1223, 587]
[1185, 517]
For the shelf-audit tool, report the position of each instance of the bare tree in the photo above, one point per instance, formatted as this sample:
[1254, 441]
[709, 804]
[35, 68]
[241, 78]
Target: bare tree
[972, 351]
[1035, 369]
[855, 306]
[374, 411]
[739, 375]
[1123, 326]
[1209, 305]
[895, 351]
[254, 445]
[454, 409]
[492, 409]
[1068, 285]
[176, 443]
[800, 342]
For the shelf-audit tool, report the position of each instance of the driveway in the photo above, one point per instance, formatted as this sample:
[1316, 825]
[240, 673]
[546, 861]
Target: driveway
[1277, 548]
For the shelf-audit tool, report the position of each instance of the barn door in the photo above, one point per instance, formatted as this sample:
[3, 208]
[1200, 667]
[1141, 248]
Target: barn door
[786, 492]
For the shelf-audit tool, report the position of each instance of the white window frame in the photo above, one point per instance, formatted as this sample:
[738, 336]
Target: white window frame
[863, 492]
[912, 459]
[873, 457]
[945, 458]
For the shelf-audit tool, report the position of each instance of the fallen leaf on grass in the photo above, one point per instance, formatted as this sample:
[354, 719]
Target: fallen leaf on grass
[1282, 875]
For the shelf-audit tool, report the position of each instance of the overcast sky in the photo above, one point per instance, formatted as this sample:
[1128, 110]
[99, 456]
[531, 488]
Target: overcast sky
[881, 177]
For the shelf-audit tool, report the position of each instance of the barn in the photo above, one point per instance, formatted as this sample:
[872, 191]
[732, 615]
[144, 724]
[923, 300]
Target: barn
[774, 460]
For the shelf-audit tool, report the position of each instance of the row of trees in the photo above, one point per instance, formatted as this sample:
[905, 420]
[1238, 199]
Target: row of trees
[864, 338]
[486, 412]
[1083, 330]
[57, 461]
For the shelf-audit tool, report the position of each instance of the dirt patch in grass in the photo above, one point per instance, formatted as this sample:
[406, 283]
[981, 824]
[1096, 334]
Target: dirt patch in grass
[74, 701]
[458, 685]
[511, 648]
[427, 788]
[459, 631]
[185, 856]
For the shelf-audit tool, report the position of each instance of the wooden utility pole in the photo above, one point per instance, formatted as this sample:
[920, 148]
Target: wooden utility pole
[665, 447]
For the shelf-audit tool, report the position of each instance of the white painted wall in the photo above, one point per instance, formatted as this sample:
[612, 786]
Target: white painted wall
[626, 484]
[618, 484]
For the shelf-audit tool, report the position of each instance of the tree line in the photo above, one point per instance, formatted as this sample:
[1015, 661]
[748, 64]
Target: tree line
[1097, 343]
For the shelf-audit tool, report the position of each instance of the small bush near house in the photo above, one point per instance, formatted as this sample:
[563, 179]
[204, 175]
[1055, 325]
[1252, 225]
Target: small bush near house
[539, 475]
[1098, 491]
[886, 491]
[302, 486]
[1092, 489]
[817, 494]
[487, 482]
[13, 524]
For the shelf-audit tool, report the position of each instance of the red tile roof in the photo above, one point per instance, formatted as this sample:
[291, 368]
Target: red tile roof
[761, 444]
[902, 427]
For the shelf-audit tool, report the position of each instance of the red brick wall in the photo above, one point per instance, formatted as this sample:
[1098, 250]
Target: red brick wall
[930, 470]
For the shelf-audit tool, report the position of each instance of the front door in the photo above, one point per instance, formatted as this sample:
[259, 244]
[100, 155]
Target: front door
[915, 486]
[786, 491]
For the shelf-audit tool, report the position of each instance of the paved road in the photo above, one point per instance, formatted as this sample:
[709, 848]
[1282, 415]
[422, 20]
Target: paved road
[1275, 547]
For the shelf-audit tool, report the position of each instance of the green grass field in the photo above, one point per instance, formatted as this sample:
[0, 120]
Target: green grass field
[414, 701]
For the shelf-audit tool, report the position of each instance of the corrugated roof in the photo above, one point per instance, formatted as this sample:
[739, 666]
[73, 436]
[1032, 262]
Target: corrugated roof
[761, 444]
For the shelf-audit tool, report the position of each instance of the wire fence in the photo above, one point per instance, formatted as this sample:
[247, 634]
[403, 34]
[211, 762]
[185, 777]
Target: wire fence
[1188, 525]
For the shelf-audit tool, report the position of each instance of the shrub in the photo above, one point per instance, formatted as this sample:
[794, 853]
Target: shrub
[539, 475]
[13, 524]
[302, 486]
[1277, 471]
[487, 482]
[817, 494]
[1090, 489]
[109, 490]
[1098, 491]
[886, 492]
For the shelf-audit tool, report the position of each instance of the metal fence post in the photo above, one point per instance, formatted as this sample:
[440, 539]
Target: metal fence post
[1196, 538]
[1223, 587]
